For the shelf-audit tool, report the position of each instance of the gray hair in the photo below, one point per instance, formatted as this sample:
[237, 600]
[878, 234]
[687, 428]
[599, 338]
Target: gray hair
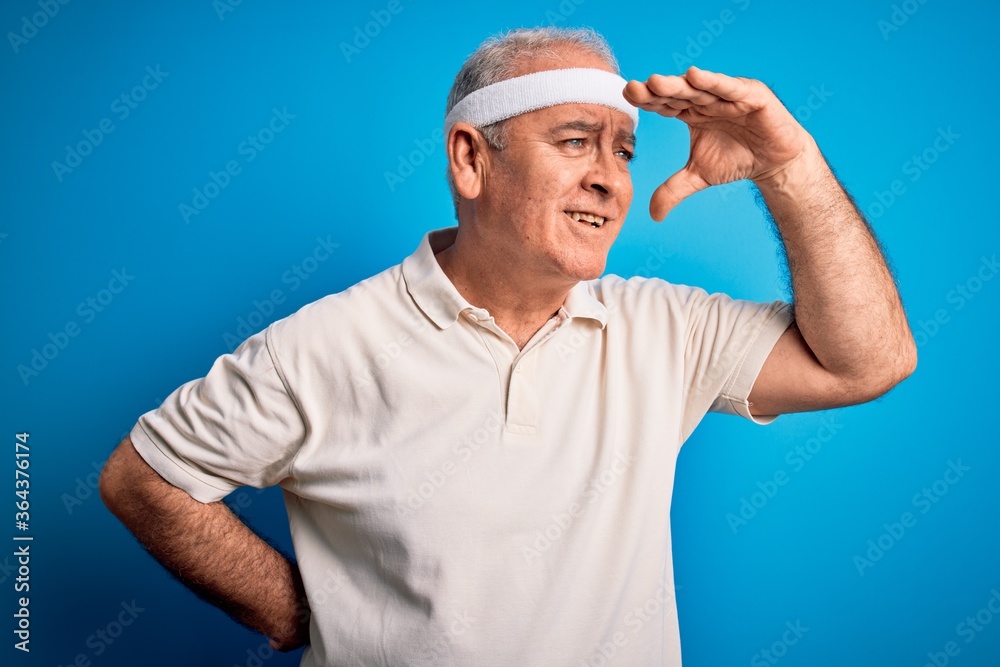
[496, 59]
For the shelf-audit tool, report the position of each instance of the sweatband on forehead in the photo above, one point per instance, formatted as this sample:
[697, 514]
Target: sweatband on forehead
[521, 94]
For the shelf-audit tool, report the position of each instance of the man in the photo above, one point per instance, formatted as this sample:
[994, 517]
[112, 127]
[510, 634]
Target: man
[476, 447]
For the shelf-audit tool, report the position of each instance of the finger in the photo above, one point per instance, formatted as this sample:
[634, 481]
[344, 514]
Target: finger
[674, 103]
[658, 107]
[724, 87]
[718, 108]
[675, 189]
[648, 106]
[678, 87]
[694, 115]
[723, 109]
[641, 95]
[667, 111]
[637, 93]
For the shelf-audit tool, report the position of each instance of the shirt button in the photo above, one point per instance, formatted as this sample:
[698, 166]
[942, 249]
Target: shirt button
[517, 370]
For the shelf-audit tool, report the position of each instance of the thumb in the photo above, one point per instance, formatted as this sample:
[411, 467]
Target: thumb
[676, 188]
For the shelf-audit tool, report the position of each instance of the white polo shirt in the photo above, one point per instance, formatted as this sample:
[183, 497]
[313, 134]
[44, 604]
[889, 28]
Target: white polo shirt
[454, 500]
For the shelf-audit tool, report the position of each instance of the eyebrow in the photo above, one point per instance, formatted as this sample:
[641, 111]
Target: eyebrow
[583, 126]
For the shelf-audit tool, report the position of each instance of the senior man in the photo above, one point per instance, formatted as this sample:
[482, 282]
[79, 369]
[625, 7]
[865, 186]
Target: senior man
[477, 447]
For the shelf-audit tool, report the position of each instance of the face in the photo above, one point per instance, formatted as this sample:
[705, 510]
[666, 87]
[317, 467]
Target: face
[559, 163]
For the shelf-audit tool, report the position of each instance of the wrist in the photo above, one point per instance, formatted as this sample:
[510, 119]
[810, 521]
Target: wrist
[797, 176]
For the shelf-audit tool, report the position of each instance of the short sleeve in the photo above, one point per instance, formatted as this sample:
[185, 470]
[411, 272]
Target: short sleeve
[727, 342]
[238, 425]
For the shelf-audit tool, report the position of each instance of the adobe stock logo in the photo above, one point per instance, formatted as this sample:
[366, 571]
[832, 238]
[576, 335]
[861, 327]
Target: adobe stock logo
[968, 629]
[698, 43]
[561, 523]
[898, 17]
[461, 452]
[122, 107]
[796, 459]
[647, 613]
[248, 149]
[104, 637]
[561, 13]
[294, 277]
[914, 169]
[37, 21]
[960, 296]
[779, 648]
[407, 165]
[363, 35]
[924, 500]
[88, 309]
[223, 7]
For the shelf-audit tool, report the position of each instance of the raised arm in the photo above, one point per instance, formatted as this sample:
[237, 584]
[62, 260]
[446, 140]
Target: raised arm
[850, 341]
[209, 549]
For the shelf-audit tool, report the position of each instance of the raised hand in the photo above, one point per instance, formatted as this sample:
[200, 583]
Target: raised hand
[739, 129]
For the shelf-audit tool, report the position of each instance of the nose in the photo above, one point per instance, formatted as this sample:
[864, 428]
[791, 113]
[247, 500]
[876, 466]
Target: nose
[608, 173]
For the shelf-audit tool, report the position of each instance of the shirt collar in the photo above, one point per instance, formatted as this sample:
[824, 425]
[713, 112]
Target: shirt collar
[581, 302]
[433, 292]
[427, 283]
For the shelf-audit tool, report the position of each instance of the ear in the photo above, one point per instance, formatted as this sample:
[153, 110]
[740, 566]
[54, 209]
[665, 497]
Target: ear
[466, 149]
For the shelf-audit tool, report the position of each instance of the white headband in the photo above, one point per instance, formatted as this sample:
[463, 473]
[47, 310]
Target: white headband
[513, 97]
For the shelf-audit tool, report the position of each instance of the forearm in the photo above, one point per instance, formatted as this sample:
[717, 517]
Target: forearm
[209, 549]
[847, 307]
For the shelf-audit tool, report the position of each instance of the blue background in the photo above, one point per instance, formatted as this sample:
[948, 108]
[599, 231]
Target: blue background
[360, 115]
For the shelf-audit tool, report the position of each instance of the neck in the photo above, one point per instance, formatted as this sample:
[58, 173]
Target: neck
[519, 301]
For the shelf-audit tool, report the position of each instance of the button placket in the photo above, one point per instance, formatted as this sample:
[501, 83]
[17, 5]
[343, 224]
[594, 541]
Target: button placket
[522, 396]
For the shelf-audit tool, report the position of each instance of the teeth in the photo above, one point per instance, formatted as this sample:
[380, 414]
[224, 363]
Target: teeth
[594, 220]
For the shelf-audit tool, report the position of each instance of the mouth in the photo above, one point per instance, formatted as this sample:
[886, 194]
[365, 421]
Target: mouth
[594, 221]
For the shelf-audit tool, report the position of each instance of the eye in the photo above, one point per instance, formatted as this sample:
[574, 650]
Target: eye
[627, 154]
[579, 142]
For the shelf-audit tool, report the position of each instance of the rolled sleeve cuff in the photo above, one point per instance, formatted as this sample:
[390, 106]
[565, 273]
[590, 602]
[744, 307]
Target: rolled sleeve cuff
[737, 390]
[174, 470]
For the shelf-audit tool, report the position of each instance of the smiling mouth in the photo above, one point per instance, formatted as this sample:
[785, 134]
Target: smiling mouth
[594, 220]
